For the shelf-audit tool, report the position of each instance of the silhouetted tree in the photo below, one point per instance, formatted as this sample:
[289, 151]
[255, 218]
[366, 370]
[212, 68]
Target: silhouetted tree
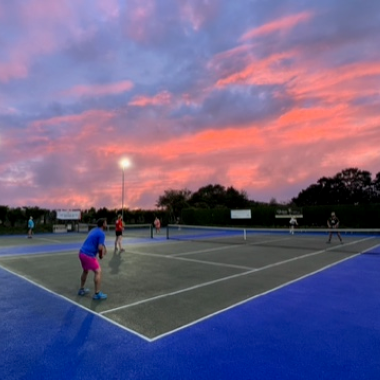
[350, 186]
[212, 195]
[3, 213]
[89, 216]
[218, 196]
[16, 215]
[236, 199]
[174, 201]
[37, 213]
[375, 198]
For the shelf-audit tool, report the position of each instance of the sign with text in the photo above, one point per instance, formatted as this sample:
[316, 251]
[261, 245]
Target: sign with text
[240, 214]
[68, 214]
[289, 211]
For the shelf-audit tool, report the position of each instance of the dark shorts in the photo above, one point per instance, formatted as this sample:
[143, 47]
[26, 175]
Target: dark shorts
[119, 233]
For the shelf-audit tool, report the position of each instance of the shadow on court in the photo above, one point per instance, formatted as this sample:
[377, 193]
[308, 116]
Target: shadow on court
[158, 286]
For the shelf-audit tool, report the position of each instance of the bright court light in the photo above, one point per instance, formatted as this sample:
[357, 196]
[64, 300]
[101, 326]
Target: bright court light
[125, 163]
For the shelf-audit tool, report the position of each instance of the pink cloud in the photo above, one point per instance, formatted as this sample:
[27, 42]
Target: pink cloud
[198, 12]
[47, 27]
[330, 122]
[139, 14]
[283, 24]
[34, 39]
[110, 8]
[13, 69]
[85, 117]
[99, 89]
[160, 99]
[264, 71]
[337, 85]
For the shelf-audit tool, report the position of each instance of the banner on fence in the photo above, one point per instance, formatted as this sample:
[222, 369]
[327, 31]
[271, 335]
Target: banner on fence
[68, 214]
[240, 214]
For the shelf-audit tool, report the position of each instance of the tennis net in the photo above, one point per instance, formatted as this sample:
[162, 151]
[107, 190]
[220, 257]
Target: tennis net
[276, 237]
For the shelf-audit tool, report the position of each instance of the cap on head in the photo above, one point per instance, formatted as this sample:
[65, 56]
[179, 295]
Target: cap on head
[333, 214]
[31, 217]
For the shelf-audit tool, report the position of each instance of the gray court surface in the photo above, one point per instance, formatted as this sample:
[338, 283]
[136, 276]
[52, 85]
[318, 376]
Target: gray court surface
[158, 286]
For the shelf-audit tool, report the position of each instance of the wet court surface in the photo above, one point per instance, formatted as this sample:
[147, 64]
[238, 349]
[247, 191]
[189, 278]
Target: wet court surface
[158, 286]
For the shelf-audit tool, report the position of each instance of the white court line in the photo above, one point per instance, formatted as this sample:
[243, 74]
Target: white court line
[208, 283]
[15, 256]
[78, 304]
[200, 319]
[64, 251]
[230, 246]
[257, 296]
[52, 240]
[201, 251]
[171, 257]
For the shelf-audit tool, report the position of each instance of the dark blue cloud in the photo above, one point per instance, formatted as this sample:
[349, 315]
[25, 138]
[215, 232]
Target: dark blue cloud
[236, 106]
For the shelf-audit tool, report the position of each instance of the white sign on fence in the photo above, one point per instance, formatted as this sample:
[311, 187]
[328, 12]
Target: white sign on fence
[240, 214]
[68, 214]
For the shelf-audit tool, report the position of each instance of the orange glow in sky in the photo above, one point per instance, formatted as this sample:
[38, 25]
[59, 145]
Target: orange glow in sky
[261, 96]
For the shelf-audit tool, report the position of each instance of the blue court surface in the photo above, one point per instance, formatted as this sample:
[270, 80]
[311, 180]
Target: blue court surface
[323, 326]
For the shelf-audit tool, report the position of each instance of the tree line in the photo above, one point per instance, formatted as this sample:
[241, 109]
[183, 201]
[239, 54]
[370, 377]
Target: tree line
[349, 187]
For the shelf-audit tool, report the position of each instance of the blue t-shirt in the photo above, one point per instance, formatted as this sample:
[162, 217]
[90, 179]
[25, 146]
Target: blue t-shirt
[95, 237]
[30, 223]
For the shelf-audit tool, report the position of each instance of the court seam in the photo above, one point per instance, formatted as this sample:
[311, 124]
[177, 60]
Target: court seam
[190, 260]
[145, 338]
[226, 278]
[256, 296]
[77, 304]
[228, 247]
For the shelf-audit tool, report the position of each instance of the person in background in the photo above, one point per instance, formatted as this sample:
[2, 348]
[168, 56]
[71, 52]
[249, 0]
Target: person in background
[293, 222]
[93, 245]
[30, 227]
[157, 225]
[333, 223]
[119, 226]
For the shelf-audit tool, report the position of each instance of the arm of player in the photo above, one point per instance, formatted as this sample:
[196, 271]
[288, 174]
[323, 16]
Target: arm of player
[102, 250]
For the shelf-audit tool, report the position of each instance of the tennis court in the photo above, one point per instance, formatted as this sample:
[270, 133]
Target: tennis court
[197, 305]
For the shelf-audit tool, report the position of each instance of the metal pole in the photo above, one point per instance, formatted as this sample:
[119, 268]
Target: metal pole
[122, 198]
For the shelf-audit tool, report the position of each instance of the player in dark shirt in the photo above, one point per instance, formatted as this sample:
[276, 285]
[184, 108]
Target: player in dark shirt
[333, 223]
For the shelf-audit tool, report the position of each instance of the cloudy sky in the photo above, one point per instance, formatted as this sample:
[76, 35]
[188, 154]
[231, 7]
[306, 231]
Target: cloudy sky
[266, 96]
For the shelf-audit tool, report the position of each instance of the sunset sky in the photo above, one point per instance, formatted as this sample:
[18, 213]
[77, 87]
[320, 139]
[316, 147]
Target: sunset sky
[266, 96]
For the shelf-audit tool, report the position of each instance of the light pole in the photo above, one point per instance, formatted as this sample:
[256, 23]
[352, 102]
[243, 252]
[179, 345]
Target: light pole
[124, 164]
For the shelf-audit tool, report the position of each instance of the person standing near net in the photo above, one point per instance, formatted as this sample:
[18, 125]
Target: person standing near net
[293, 222]
[30, 227]
[119, 226]
[93, 246]
[157, 225]
[333, 223]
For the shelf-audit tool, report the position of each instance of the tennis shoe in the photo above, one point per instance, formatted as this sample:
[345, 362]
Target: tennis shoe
[83, 292]
[99, 296]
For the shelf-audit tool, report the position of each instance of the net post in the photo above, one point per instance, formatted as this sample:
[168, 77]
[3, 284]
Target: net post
[245, 234]
[167, 231]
